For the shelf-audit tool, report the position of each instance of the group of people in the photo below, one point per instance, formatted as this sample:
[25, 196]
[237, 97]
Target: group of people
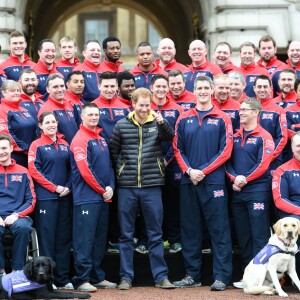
[192, 151]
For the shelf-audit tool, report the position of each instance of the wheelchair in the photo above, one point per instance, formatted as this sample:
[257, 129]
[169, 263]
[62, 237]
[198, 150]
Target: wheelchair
[32, 249]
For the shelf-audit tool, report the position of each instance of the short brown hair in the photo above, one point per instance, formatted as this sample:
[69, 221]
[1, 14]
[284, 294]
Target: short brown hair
[6, 137]
[140, 92]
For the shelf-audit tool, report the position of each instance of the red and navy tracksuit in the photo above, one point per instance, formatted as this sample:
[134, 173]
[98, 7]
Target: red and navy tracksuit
[64, 67]
[49, 165]
[42, 74]
[76, 101]
[186, 100]
[11, 68]
[17, 196]
[274, 67]
[173, 65]
[296, 69]
[18, 123]
[285, 188]
[125, 101]
[207, 69]
[251, 157]
[292, 118]
[273, 119]
[33, 107]
[250, 73]
[204, 143]
[170, 111]
[142, 78]
[111, 111]
[64, 114]
[108, 66]
[231, 67]
[91, 73]
[289, 99]
[231, 108]
[91, 173]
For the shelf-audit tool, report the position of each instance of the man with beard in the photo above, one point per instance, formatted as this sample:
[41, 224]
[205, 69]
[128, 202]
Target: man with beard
[45, 65]
[112, 50]
[12, 67]
[30, 98]
[267, 51]
[68, 61]
[286, 82]
[249, 68]
[293, 53]
[222, 56]
[166, 51]
[146, 68]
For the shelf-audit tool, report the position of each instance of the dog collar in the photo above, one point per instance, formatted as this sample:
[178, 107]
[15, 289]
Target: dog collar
[285, 244]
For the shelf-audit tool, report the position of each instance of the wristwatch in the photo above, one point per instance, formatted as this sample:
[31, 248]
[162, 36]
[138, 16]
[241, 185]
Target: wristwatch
[188, 171]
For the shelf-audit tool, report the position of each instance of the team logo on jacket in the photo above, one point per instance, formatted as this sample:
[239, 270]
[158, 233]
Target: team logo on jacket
[104, 143]
[251, 141]
[186, 106]
[258, 206]
[252, 78]
[236, 140]
[296, 174]
[170, 114]
[119, 112]
[63, 148]
[296, 116]
[70, 113]
[231, 114]
[267, 116]
[17, 178]
[200, 74]
[212, 121]
[26, 114]
[177, 176]
[219, 193]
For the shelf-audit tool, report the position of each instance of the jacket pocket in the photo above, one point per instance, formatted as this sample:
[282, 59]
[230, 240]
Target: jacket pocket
[160, 166]
[121, 168]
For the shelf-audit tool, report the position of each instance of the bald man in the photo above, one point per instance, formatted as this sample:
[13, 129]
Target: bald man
[293, 53]
[200, 64]
[166, 51]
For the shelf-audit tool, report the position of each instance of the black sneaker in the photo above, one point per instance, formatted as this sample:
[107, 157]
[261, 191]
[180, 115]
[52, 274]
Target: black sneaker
[187, 281]
[113, 247]
[218, 286]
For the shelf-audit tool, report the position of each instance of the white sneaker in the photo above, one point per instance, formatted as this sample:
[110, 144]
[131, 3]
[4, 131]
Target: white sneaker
[68, 286]
[54, 286]
[238, 284]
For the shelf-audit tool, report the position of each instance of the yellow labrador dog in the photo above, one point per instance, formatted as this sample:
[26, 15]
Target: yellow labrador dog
[262, 274]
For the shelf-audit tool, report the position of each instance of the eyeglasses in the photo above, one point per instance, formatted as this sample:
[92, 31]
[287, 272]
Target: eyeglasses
[245, 109]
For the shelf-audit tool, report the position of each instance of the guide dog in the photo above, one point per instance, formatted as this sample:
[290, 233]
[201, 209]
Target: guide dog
[34, 282]
[262, 274]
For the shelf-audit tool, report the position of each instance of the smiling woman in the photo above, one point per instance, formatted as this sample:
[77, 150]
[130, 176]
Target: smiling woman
[16, 121]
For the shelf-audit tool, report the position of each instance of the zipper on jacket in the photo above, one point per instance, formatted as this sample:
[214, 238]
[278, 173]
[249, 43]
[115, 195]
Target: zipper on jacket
[5, 179]
[121, 169]
[160, 166]
[140, 156]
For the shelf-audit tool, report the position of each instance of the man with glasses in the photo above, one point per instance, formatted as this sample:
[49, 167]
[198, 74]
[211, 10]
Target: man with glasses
[247, 169]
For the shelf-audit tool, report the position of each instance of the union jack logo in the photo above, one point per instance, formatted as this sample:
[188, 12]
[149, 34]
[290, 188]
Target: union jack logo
[212, 121]
[231, 114]
[170, 114]
[63, 148]
[252, 78]
[17, 178]
[104, 143]
[267, 116]
[219, 193]
[251, 141]
[258, 206]
[26, 114]
[186, 106]
[177, 176]
[119, 112]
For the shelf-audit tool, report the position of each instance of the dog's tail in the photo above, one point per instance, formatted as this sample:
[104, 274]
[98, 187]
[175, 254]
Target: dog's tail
[257, 290]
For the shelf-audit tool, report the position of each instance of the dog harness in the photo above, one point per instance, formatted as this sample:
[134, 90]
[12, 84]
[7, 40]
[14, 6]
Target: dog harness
[17, 282]
[267, 251]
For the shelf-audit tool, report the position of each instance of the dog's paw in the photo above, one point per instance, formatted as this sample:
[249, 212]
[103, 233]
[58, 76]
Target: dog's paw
[282, 294]
[269, 293]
